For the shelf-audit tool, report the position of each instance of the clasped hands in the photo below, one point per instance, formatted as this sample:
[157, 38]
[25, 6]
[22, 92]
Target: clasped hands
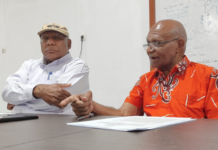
[52, 94]
[56, 95]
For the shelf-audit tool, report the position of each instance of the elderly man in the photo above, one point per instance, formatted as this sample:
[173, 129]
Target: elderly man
[177, 88]
[40, 85]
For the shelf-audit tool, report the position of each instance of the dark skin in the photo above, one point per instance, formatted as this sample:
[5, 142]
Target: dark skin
[84, 108]
[10, 106]
[54, 45]
[168, 54]
[164, 58]
[52, 94]
[83, 105]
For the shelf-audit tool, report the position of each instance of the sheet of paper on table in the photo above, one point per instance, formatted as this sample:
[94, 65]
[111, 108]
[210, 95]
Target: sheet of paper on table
[132, 123]
[6, 113]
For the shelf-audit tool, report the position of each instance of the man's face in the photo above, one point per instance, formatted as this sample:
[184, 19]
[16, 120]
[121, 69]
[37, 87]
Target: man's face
[54, 45]
[163, 57]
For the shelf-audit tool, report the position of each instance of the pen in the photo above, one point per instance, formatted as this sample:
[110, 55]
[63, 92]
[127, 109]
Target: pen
[86, 116]
[50, 73]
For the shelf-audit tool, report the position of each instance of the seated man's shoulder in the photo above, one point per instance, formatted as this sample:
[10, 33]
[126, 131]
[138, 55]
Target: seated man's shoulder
[202, 68]
[31, 62]
[77, 63]
[149, 75]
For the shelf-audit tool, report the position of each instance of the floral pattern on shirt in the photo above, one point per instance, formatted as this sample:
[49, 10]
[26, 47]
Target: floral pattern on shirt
[164, 87]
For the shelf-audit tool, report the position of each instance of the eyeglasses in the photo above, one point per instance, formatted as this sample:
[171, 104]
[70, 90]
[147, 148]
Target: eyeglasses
[156, 44]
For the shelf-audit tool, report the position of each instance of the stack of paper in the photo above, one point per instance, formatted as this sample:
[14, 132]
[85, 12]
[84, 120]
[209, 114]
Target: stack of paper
[131, 123]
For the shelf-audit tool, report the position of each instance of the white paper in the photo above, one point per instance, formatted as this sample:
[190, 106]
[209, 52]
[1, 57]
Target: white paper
[131, 123]
[7, 113]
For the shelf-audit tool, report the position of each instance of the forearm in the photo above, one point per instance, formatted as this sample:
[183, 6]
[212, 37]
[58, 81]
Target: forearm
[83, 105]
[99, 109]
[37, 90]
[126, 109]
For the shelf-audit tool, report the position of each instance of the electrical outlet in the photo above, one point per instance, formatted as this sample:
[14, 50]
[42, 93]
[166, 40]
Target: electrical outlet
[3, 51]
[83, 37]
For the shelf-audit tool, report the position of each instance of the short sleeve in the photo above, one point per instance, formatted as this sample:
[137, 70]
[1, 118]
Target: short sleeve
[211, 103]
[136, 94]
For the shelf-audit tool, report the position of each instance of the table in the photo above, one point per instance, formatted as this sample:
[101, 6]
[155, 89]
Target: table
[50, 132]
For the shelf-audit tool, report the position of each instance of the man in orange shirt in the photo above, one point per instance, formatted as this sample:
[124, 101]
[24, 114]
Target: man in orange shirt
[177, 88]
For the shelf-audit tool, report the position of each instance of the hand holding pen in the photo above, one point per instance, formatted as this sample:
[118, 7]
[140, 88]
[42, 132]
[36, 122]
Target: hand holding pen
[86, 116]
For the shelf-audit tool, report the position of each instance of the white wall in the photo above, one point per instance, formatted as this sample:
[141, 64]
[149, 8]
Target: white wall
[115, 32]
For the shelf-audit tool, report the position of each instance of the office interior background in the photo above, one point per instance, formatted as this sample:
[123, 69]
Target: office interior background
[114, 30]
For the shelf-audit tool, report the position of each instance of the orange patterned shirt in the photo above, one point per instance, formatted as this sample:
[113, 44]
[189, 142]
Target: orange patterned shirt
[190, 90]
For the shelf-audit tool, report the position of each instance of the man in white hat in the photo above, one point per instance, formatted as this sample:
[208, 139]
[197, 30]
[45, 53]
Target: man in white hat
[40, 85]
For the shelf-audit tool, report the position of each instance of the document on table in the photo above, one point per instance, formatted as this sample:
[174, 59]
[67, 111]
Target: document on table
[6, 113]
[132, 123]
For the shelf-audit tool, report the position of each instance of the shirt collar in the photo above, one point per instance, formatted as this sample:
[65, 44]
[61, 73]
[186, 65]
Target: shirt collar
[180, 67]
[58, 61]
